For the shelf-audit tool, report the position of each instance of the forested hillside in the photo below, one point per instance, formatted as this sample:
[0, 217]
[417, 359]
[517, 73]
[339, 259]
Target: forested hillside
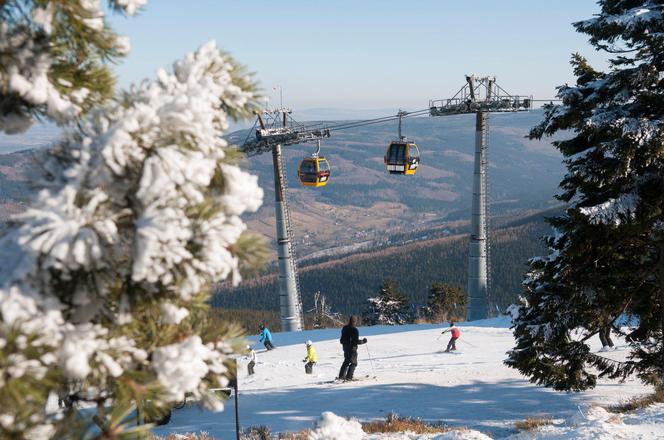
[348, 281]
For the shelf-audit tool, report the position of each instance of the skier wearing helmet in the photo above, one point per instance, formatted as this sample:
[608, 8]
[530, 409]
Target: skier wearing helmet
[310, 359]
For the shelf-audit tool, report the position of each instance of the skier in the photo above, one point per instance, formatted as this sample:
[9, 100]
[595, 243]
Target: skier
[310, 359]
[456, 333]
[266, 337]
[252, 360]
[350, 339]
[605, 337]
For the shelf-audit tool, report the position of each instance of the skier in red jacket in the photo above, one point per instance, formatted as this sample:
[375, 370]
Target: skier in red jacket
[456, 333]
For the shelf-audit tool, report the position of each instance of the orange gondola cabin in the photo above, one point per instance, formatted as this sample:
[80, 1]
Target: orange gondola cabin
[314, 171]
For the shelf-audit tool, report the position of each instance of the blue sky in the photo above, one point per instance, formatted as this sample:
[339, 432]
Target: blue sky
[368, 54]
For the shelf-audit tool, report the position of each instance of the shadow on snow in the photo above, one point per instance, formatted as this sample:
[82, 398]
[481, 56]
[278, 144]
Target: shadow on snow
[486, 406]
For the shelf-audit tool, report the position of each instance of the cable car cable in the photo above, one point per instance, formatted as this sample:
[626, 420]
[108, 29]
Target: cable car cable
[361, 122]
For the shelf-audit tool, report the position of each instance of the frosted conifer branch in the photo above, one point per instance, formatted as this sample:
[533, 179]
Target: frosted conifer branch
[38, 81]
[141, 209]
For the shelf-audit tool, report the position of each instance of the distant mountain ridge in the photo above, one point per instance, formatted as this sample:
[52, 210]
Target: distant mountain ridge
[362, 203]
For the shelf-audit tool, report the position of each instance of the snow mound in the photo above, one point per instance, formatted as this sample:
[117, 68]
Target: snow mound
[332, 427]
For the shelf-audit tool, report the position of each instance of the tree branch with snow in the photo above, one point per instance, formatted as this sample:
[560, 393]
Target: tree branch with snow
[112, 264]
[54, 58]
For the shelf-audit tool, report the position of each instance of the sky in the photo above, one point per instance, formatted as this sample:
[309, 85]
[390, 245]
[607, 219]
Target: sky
[355, 59]
[367, 54]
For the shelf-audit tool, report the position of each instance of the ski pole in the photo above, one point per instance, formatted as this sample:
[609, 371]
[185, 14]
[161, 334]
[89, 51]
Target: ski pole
[370, 360]
[466, 342]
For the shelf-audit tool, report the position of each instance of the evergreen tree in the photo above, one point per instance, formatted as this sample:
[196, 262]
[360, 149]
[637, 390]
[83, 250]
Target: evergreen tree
[445, 303]
[54, 57]
[390, 307]
[607, 256]
[106, 276]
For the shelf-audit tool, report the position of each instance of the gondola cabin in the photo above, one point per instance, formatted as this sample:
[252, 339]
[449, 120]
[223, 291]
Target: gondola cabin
[314, 171]
[402, 157]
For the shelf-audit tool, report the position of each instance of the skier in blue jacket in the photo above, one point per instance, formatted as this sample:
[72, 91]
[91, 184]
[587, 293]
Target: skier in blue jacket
[266, 337]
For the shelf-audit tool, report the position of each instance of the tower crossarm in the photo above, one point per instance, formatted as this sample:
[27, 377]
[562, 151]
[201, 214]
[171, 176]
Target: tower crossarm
[480, 94]
[278, 128]
[266, 139]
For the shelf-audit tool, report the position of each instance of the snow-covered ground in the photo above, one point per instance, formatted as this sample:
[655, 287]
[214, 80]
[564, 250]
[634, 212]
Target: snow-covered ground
[471, 388]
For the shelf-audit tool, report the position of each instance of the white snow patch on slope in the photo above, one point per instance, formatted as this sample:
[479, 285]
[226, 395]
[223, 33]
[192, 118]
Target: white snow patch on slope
[471, 389]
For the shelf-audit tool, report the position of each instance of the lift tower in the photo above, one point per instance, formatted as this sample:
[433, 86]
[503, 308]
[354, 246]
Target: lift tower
[480, 95]
[277, 128]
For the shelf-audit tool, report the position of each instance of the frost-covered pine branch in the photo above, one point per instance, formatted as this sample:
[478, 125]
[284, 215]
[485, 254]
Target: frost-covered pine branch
[53, 59]
[109, 269]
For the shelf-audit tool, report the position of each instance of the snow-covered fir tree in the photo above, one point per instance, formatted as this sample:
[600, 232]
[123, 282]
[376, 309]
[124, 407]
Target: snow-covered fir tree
[607, 255]
[54, 57]
[445, 303]
[390, 307]
[106, 275]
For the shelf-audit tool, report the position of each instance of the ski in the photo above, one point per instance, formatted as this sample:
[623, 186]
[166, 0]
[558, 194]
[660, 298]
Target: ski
[355, 379]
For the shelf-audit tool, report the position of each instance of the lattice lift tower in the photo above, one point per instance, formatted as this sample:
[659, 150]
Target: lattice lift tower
[276, 128]
[480, 95]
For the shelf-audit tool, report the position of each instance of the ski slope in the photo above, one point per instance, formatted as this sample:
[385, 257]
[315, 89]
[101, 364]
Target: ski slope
[471, 388]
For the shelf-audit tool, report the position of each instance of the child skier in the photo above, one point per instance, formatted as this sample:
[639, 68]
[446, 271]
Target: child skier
[456, 333]
[266, 337]
[252, 360]
[310, 359]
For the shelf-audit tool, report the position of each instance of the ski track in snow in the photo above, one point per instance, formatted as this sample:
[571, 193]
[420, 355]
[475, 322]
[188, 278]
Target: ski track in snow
[414, 378]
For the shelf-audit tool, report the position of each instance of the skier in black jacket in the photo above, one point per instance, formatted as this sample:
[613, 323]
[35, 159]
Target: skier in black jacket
[350, 339]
